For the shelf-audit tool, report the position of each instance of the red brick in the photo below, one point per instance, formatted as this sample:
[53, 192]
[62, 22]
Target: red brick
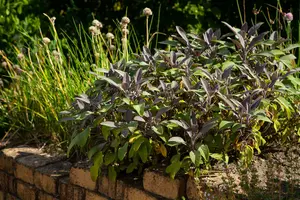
[68, 191]
[45, 196]
[25, 166]
[160, 184]
[112, 189]
[133, 193]
[8, 156]
[89, 195]
[7, 183]
[26, 191]
[46, 178]
[80, 175]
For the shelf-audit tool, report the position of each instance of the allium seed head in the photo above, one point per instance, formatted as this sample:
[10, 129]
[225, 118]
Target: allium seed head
[112, 47]
[125, 31]
[147, 11]
[4, 64]
[110, 36]
[289, 17]
[93, 29]
[20, 56]
[52, 19]
[17, 69]
[125, 20]
[97, 23]
[56, 54]
[46, 40]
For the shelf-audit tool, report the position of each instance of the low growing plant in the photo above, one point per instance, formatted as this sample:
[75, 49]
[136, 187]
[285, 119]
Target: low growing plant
[211, 98]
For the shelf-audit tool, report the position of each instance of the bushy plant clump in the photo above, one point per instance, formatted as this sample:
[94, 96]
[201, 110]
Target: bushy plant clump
[211, 98]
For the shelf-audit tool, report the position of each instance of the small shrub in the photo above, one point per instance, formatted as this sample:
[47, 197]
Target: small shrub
[215, 97]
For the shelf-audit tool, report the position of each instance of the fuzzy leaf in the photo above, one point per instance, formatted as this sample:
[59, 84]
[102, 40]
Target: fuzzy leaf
[174, 141]
[122, 151]
[80, 139]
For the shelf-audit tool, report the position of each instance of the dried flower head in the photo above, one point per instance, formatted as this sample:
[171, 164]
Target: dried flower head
[110, 36]
[56, 54]
[112, 47]
[20, 56]
[255, 11]
[93, 30]
[4, 64]
[125, 31]
[97, 23]
[288, 17]
[52, 19]
[147, 11]
[125, 20]
[46, 40]
[17, 69]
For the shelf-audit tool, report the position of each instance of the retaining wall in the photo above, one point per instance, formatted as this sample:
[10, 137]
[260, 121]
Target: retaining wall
[29, 174]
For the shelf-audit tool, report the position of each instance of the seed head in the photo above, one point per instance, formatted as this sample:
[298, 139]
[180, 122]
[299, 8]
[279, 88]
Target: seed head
[125, 20]
[147, 11]
[125, 31]
[56, 54]
[20, 56]
[110, 36]
[52, 19]
[4, 64]
[112, 47]
[93, 30]
[17, 69]
[46, 40]
[97, 24]
[289, 17]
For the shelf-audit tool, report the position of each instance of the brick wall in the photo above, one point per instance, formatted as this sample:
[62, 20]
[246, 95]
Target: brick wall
[29, 174]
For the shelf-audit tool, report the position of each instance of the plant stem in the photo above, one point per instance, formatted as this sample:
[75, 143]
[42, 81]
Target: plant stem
[240, 14]
[147, 32]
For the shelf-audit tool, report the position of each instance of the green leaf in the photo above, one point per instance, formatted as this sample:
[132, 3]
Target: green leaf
[105, 130]
[204, 151]
[112, 174]
[173, 168]
[112, 82]
[196, 158]
[277, 52]
[287, 60]
[137, 143]
[95, 149]
[143, 153]
[109, 157]
[291, 46]
[109, 124]
[217, 156]
[122, 151]
[106, 108]
[174, 141]
[80, 139]
[263, 118]
[130, 168]
[225, 124]
[95, 169]
[159, 130]
[139, 108]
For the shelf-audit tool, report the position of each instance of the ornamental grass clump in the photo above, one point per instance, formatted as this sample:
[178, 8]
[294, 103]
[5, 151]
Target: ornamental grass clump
[212, 98]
